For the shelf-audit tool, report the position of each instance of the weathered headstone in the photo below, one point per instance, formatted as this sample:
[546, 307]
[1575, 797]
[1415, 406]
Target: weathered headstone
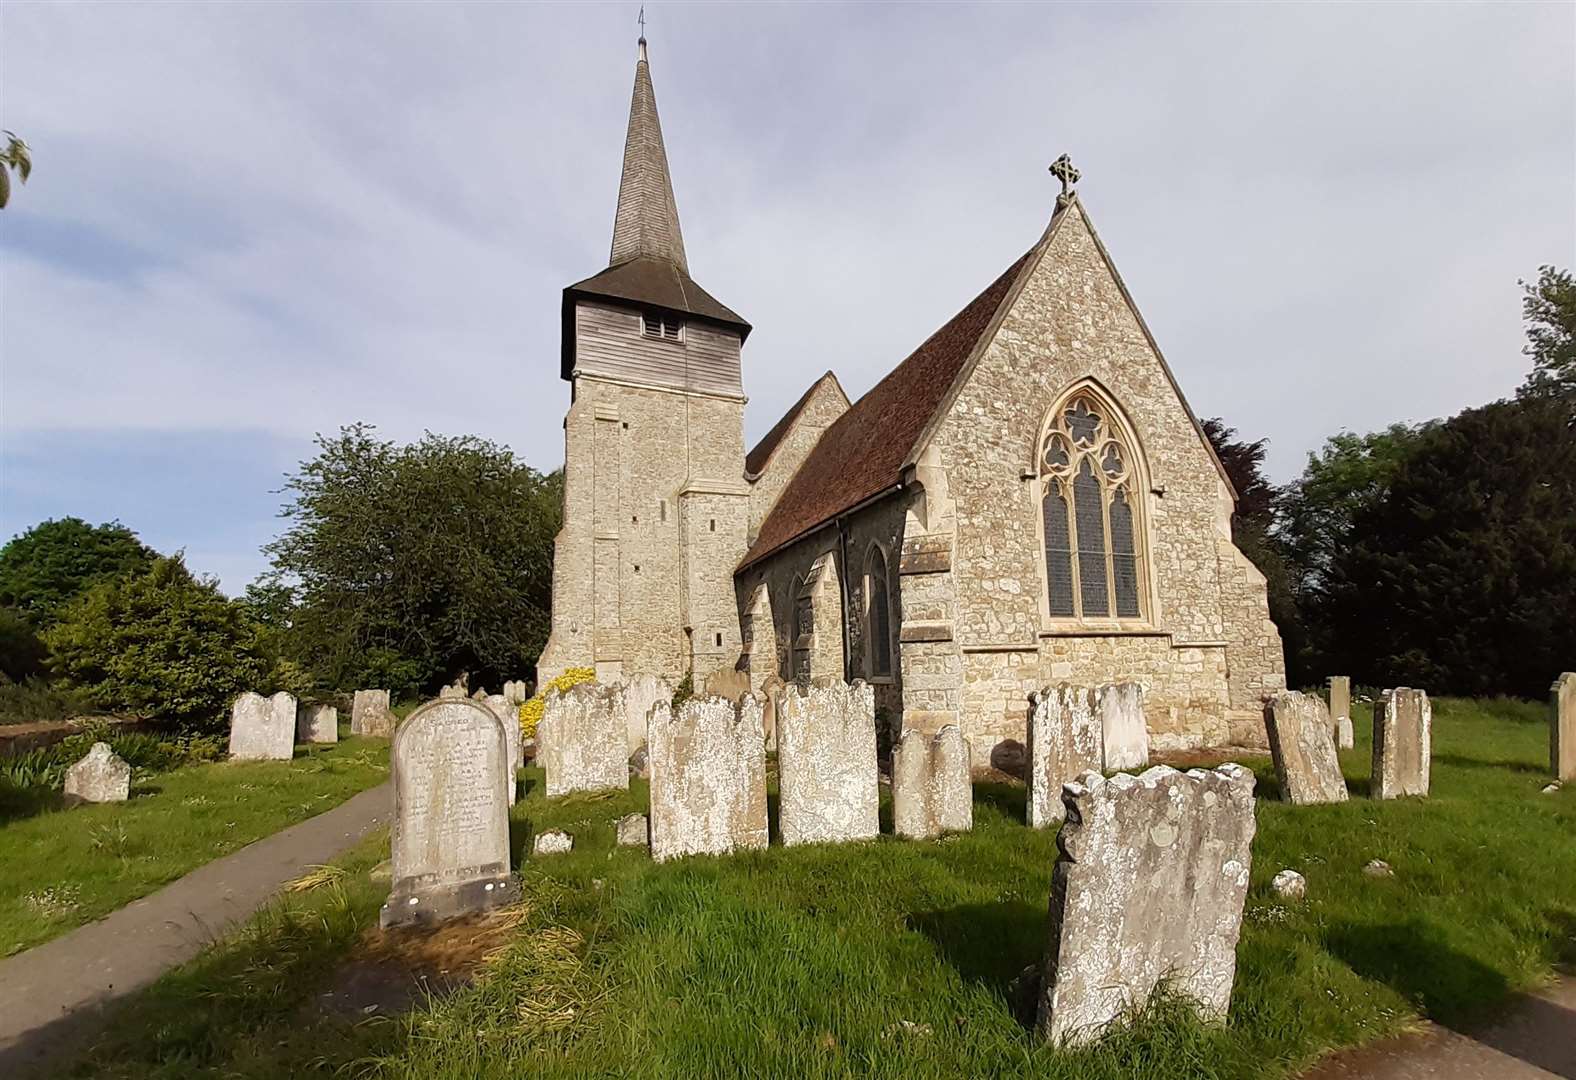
[826, 764]
[263, 729]
[640, 694]
[553, 842]
[772, 688]
[582, 741]
[1123, 733]
[728, 682]
[931, 790]
[101, 776]
[514, 690]
[451, 820]
[1341, 711]
[1148, 888]
[508, 715]
[451, 692]
[317, 724]
[632, 831]
[1303, 750]
[1562, 727]
[370, 714]
[1064, 742]
[708, 777]
[1403, 743]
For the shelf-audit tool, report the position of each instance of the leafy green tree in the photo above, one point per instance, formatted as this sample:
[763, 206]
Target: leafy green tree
[1549, 309]
[56, 561]
[22, 653]
[17, 156]
[406, 565]
[162, 643]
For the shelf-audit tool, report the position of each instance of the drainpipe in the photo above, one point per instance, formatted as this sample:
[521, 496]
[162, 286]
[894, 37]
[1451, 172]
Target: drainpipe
[842, 544]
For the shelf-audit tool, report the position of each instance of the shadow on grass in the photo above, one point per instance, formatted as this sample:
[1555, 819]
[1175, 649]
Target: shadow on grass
[1563, 923]
[1446, 984]
[989, 944]
[521, 832]
[1011, 801]
[1457, 761]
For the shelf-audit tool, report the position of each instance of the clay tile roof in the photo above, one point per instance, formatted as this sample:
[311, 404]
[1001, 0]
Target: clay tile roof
[863, 452]
[757, 458]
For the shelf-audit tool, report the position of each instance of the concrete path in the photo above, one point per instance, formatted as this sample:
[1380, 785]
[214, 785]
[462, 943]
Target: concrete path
[55, 994]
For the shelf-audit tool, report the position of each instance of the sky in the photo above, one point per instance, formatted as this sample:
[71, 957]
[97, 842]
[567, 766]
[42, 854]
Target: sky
[250, 223]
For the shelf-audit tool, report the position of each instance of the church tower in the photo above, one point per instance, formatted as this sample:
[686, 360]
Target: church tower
[656, 507]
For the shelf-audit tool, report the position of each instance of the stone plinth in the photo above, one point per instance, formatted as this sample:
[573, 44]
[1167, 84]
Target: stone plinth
[931, 790]
[263, 729]
[1149, 887]
[582, 741]
[451, 817]
[370, 714]
[1064, 742]
[317, 724]
[1341, 710]
[640, 694]
[708, 777]
[1403, 743]
[1304, 750]
[1562, 727]
[826, 764]
[1124, 735]
[101, 776]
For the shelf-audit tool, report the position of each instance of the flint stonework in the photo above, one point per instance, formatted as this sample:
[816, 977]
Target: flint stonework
[1064, 742]
[708, 777]
[826, 762]
[451, 817]
[101, 776]
[263, 729]
[1562, 727]
[1124, 735]
[582, 741]
[370, 714]
[640, 694]
[1148, 888]
[317, 724]
[1303, 750]
[1403, 743]
[931, 790]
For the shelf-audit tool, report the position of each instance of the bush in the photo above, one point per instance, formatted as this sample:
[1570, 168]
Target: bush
[35, 701]
[45, 768]
[22, 653]
[531, 711]
[54, 562]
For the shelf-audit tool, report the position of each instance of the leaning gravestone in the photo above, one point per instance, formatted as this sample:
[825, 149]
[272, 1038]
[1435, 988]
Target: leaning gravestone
[1124, 735]
[1303, 751]
[451, 820]
[1064, 742]
[931, 791]
[263, 729]
[1562, 727]
[1341, 711]
[1403, 743]
[826, 764]
[317, 724]
[509, 716]
[708, 777]
[582, 740]
[640, 694]
[1148, 888]
[101, 776]
[370, 714]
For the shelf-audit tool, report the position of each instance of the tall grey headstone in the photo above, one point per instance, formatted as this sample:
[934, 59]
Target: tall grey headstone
[1562, 727]
[263, 729]
[640, 694]
[101, 776]
[1124, 735]
[1064, 742]
[708, 777]
[451, 819]
[1403, 743]
[826, 764]
[1341, 711]
[317, 724]
[509, 716]
[582, 740]
[1148, 888]
[370, 714]
[1303, 750]
[931, 789]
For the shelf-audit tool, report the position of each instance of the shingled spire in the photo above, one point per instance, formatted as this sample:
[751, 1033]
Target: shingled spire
[647, 222]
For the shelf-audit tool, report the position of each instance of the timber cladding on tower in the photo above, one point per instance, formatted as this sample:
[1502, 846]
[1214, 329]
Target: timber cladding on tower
[1026, 499]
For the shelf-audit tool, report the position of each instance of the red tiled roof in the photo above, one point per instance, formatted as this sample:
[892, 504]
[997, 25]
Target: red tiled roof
[757, 458]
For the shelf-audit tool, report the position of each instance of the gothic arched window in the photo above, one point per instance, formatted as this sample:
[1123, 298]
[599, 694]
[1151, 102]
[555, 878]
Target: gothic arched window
[1090, 502]
[878, 615]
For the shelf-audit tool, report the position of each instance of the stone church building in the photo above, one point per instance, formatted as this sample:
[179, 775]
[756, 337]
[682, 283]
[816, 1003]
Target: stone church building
[1026, 499]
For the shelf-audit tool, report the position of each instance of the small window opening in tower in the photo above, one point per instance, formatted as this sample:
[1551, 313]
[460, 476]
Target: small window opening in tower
[713, 524]
[637, 568]
[662, 507]
[719, 641]
[666, 327]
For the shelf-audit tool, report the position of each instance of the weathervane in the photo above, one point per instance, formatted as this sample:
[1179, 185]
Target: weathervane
[642, 22]
[1064, 170]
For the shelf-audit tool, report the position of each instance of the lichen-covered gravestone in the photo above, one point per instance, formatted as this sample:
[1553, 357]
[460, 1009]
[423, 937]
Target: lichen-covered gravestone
[1123, 733]
[101, 776]
[708, 777]
[370, 714]
[508, 715]
[1064, 742]
[1341, 711]
[582, 741]
[1403, 743]
[931, 790]
[640, 693]
[1149, 888]
[263, 729]
[826, 764]
[1303, 750]
[1562, 727]
[317, 724]
[451, 819]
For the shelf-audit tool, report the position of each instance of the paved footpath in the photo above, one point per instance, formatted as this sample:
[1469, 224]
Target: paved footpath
[55, 994]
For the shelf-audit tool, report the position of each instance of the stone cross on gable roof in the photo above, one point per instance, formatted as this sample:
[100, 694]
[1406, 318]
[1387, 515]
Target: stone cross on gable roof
[1064, 170]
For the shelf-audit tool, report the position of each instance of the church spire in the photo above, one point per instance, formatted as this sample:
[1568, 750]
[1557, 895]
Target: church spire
[647, 221]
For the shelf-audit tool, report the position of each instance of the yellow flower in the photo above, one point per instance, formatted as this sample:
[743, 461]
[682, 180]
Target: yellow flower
[531, 711]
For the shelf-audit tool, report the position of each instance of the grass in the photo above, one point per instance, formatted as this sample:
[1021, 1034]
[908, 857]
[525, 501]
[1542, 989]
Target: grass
[808, 962]
[61, 868]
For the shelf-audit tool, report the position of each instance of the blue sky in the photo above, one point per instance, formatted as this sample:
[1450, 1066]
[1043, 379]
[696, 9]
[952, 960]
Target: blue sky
[252, 222]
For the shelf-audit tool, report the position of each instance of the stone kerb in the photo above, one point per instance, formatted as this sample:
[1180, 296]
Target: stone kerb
[1562, 727]
[582, 740]
[263, 729]
[1403, 743]
[101, 776]
[1123, 732]
[708, 777]
[370, 714]
[826, 764]
[508, 715]
[931, 789]
[450, 845]
[1303, 750]
[1064, 742]
[1148, 888]
[640, 693]
[317, 724]
[1341, 711]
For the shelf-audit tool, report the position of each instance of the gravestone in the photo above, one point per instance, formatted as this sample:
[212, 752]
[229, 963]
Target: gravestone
[1403, 743]
[451, 820]
[514, 690]
[826, 764]
[451, 692]
[1124, 735]
[263, 729]
[554, 842]
[708, 777]
[1148, 888]
[728, 682]
[370, 714]
[1562, 727]
[632, 831]
[640, 694]
[508, 715]
[1064, 742]
[772, 693]
[582, 741]
[931, 789]
[1303, 750]
[317, 724]
[1341, 711]
[101, 776]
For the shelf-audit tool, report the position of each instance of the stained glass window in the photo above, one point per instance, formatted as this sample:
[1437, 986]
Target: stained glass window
[879, 626]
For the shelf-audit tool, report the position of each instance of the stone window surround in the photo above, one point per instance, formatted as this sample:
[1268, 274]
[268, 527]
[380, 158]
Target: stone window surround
[871, 676]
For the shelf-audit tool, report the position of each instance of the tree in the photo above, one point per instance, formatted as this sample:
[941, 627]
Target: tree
[161, 643]
[56, 561]
[16, 155]
[1549, 309]
[406, 565]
